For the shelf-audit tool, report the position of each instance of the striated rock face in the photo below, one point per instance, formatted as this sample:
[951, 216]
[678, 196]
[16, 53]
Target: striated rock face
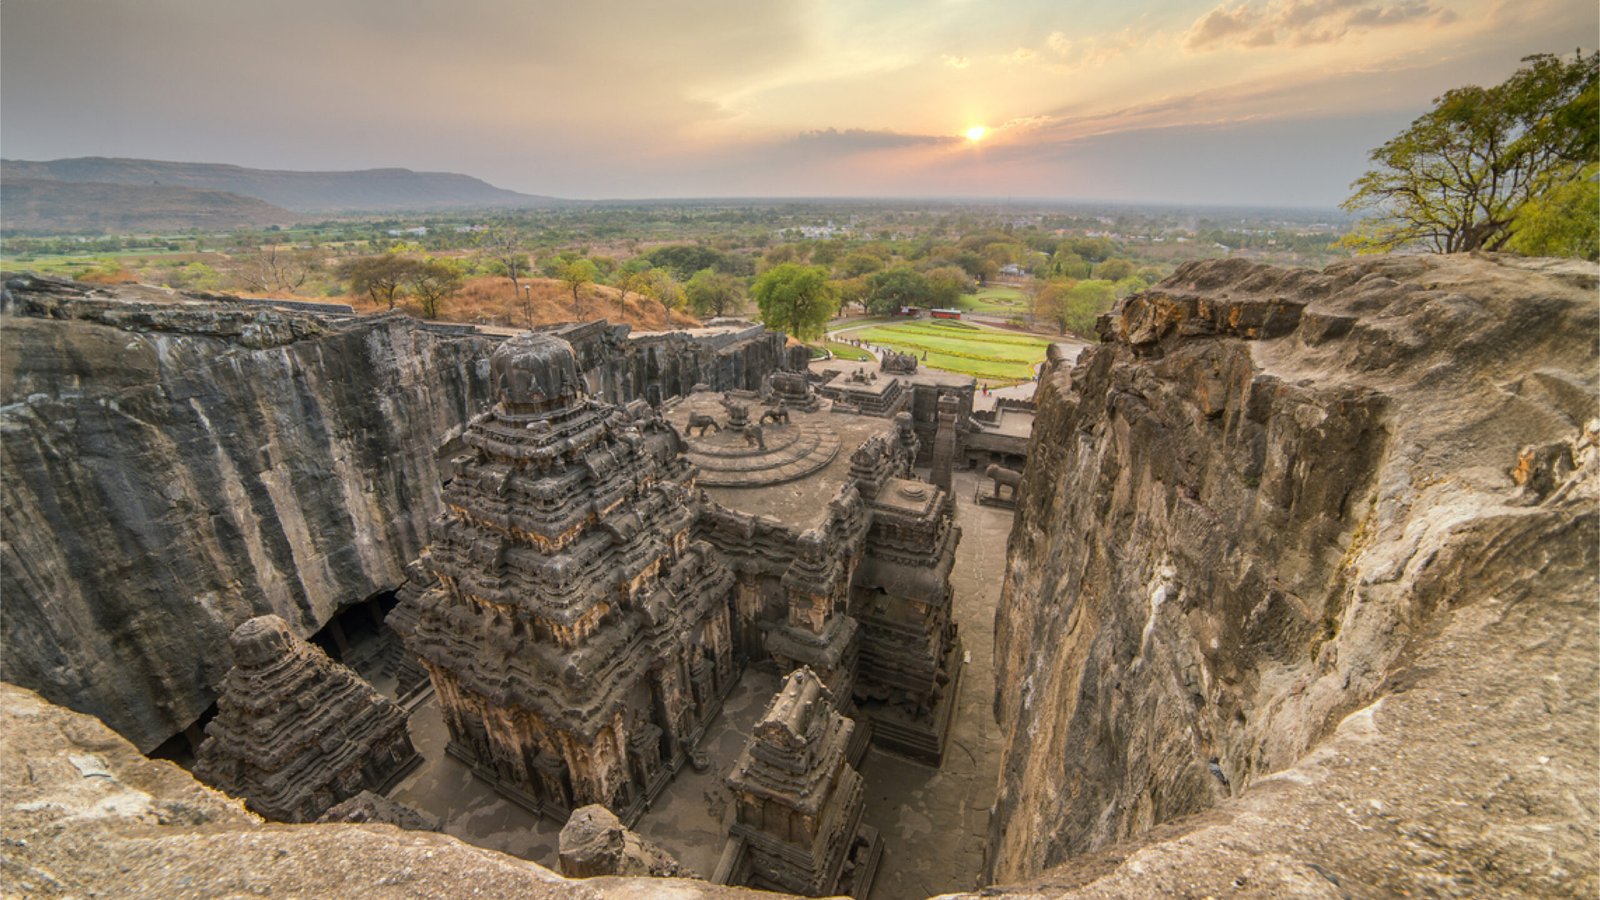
[618, 367]
[1268, 499]
[170, 469]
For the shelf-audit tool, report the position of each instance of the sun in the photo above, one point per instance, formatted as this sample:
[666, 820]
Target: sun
[976, 133]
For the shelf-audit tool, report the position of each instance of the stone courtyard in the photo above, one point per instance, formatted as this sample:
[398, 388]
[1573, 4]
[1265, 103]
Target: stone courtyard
[933, 820]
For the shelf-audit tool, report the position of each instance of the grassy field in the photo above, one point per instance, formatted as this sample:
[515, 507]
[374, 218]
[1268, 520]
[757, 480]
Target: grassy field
[997, 299]
[990, 355]
[845, 351]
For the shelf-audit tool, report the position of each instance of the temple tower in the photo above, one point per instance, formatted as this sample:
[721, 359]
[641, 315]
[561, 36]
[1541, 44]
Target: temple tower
[799, 801]
[910, 657]
[578, 639]
[296, 732]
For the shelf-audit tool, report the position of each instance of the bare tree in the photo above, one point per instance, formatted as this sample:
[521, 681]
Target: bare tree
[504, 246]
[275, 268]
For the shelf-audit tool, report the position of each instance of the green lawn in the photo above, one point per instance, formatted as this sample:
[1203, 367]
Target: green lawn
[996, 299]
[992, 356]
[845, 351]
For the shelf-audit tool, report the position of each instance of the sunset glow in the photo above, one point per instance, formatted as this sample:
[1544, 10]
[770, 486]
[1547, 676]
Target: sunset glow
[1244, 102]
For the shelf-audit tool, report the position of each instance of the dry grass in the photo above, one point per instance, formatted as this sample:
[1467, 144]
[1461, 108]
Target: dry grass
[490, 300]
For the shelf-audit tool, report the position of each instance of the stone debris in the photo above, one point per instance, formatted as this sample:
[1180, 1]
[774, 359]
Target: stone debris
[594, 842]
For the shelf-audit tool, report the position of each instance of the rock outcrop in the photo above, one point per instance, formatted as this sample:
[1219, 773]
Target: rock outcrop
[619, 367]
[86, 815]
[170, 468]
[594, 842]
[1274, 501]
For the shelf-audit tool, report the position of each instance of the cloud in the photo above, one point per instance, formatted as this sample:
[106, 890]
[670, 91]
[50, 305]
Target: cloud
[855, 140]
[1297, 23]
[956, 62]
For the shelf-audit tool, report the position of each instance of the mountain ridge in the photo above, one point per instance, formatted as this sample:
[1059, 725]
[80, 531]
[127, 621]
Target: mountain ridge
[389, 189]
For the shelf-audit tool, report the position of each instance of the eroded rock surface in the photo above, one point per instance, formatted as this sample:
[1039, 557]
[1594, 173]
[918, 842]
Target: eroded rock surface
[1277, 500]
[171, 467]
[594, 842]
[86, 815]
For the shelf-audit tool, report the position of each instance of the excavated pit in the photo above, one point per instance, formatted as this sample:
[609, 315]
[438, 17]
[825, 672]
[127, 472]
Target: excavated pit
[1298, 601]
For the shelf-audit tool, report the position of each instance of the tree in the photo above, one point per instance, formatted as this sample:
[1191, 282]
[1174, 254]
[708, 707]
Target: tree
[1561, 222]
[946, 284]
[576, 274]
[660, 285]
[631, 278]
[1114, 269]
[1459, 177]
[275, 268]
[1074, 305]
[796, 299]
[858, 263]
[431, 281]
[891, 289]
[504, 246]
[380, 277]
[712, 293]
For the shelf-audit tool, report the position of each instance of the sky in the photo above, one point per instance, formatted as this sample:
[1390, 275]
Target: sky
[1254, 102]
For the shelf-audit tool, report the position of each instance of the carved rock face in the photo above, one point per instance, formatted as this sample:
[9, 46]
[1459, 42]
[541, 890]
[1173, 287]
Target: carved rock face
[534, 373]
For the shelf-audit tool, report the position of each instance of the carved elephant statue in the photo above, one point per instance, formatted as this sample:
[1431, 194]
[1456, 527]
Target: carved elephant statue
[702, 422]
[1001, 475]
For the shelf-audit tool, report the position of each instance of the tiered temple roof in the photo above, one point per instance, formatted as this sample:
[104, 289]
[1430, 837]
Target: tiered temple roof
[798, 799]
[578, 638]
[296, 732]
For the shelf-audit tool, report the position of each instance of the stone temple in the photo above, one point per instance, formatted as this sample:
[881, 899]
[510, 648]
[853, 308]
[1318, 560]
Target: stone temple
[297, 733]
[605, 573]
[579, 636]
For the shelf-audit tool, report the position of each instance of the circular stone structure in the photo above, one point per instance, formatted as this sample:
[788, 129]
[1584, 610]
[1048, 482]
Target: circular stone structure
[726, 458]
[534, 373]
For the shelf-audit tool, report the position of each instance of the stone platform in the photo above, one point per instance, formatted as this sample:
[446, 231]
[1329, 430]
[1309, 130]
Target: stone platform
[726, 458]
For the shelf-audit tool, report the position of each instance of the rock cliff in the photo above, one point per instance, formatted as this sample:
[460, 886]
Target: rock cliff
[87, 816]
[1272, 501]
[172, 465]
[170, 468]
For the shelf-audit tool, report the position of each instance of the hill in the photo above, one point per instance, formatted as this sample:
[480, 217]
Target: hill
[41, 205]
[366, 190]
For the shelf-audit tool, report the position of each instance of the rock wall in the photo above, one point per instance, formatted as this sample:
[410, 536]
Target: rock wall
[658, 366]
[169, 469]
[1253, 509]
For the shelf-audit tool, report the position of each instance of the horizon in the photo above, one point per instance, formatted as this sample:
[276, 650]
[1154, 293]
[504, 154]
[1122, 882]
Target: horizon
[1266, 105]
[843, 199]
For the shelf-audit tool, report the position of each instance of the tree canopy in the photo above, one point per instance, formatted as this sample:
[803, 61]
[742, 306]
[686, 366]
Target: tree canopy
[380, 277]
[1477, 168]
[891, 289]
[712, 293]
[576, 274]
[796, 299]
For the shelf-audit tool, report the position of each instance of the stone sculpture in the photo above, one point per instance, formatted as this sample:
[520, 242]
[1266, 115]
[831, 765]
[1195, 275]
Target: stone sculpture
[778, 414]
[738, 413]
[296, 732]
[898, 363]
[703, 422]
